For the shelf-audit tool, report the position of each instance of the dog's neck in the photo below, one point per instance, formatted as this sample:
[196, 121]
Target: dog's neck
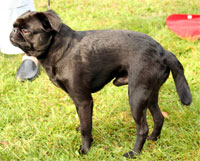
[55, 51]
[54, 45]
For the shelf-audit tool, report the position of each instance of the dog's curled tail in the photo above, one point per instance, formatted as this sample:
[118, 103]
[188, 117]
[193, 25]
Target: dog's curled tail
[182, 87]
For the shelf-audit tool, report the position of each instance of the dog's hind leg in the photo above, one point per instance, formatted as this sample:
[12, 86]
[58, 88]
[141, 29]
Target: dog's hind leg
[157, 117]
[155, 110]
[138, 99]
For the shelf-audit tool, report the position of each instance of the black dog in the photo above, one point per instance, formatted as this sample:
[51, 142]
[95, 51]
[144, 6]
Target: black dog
[83, 62]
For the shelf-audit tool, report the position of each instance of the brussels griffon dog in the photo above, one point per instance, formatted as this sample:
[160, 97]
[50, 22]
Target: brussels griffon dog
[83, 62]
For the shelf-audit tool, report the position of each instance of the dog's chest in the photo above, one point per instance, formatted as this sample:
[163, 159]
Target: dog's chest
[56, 80]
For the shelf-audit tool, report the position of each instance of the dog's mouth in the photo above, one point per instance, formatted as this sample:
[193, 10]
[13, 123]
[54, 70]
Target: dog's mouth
[18, 40]
[13, 41]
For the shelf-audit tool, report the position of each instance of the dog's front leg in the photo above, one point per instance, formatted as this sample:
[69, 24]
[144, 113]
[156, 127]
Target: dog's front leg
[84, 107]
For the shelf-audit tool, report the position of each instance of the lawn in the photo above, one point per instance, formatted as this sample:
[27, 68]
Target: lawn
[38, 120]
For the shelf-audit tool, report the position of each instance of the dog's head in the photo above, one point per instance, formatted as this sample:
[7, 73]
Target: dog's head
[33, 31]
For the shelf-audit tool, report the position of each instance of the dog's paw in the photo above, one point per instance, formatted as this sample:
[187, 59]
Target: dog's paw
[130, 154]
[153, 138]
[83, 150]
[85, 147]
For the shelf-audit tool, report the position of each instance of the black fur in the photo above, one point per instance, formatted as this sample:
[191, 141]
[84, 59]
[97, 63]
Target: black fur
[83, 62]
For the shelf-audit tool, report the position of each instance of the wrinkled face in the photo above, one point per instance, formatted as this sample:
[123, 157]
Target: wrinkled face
[33, 31]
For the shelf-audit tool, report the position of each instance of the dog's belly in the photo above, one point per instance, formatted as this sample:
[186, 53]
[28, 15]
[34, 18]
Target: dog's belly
[100, 79]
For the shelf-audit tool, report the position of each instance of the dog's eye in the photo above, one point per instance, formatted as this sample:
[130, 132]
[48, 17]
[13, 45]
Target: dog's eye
[25, 31]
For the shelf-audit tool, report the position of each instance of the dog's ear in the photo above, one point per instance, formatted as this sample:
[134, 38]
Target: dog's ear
[50, 20]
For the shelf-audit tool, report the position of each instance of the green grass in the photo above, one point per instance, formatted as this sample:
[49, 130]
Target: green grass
[38, 120]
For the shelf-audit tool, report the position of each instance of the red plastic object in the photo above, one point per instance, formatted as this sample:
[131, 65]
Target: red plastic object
[186, 26]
